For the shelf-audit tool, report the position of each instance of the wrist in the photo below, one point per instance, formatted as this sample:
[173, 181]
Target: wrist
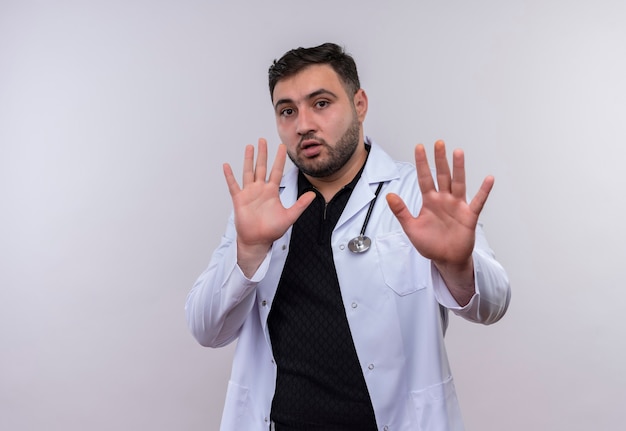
[250, 257]
[459, 279]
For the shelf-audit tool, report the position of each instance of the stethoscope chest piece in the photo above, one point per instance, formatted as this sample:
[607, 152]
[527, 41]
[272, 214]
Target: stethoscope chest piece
[362, 243]
[359, 244]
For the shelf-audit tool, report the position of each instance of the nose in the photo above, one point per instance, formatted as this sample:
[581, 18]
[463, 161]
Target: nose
[305, 122]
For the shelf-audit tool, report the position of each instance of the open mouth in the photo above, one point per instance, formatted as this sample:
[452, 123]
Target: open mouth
[310, 148]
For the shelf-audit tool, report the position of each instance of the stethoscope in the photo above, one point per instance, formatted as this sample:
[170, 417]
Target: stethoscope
[362, 243]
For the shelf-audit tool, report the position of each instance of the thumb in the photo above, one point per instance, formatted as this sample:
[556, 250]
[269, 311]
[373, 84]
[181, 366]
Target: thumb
[301, 204]
[398, 208]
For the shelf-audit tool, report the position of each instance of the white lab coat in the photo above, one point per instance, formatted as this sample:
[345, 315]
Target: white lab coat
[392, 298]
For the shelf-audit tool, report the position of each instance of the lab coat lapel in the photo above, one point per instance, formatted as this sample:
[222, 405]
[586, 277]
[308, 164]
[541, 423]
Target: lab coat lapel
[361, 197]
[378, 168]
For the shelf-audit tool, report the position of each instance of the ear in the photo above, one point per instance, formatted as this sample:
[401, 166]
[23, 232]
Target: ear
[360, 104]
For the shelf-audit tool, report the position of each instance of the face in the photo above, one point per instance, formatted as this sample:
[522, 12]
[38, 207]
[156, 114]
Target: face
[320, 124]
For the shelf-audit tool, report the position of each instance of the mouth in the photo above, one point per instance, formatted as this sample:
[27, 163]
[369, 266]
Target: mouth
[310, 148]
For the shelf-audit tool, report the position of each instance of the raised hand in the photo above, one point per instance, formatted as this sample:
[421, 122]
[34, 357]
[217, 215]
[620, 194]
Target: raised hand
[260, 217]
[444, 229]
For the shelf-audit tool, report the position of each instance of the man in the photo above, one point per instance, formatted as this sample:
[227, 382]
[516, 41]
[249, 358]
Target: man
[338, 299]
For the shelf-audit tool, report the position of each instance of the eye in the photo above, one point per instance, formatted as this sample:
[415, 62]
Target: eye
[322, 103]
[287, 112]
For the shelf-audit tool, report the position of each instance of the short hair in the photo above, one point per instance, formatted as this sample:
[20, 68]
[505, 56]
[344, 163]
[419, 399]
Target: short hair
[297, 59]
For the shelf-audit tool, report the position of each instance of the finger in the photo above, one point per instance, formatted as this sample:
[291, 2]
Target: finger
[477, 204]
[424, 176]
[458, 175]
[399, 208]
[442, 167]
[231, 182]
[261, 161]
[248, 162]
[278, 167]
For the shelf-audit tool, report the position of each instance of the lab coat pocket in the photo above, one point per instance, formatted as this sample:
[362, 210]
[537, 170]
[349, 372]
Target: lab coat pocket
[437, 407]
[395, 253]
[235, 407]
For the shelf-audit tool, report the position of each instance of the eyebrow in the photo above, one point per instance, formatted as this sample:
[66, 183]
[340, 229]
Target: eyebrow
[310, 96]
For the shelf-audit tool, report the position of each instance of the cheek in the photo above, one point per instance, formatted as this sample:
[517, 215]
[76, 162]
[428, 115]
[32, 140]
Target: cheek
[280, 127]
[282, 131]
[286, 135]
[341, 126]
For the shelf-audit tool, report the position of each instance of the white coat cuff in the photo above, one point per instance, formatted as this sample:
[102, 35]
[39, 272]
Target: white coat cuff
[443, 295]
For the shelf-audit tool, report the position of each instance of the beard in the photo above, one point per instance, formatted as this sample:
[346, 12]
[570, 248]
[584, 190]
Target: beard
[337, 156]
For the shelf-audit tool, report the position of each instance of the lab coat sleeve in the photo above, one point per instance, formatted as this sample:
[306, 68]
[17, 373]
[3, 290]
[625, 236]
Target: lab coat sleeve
[492, 289]
[222, 297]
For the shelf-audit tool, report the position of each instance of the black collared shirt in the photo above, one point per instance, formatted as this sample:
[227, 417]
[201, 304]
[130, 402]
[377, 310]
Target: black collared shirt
[320, 384]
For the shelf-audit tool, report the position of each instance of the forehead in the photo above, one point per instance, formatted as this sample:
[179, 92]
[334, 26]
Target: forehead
[308, 80]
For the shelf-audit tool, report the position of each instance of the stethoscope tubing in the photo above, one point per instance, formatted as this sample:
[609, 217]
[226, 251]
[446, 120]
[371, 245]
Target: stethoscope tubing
[361, 243]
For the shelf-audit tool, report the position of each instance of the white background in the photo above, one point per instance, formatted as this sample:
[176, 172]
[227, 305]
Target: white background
[116, 117]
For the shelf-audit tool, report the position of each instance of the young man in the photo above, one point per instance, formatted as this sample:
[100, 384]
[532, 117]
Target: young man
[339, 299]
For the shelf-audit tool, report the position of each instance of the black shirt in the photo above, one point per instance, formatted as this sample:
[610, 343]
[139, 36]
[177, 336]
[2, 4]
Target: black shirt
[320, 383]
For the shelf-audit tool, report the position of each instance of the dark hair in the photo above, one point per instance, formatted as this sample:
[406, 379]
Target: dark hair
[297, 59]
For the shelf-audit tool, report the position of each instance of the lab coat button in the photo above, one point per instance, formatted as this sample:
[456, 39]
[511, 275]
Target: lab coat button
[264, 303]
[385, 428]
[370, 367]
[342, 246]
[284, 247]
[354, 305]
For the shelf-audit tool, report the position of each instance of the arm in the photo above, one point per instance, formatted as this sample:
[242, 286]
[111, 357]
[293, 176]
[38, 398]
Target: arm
[221, 299]
[492, 292]
[445, 230]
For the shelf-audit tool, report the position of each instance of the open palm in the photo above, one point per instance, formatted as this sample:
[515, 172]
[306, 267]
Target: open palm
[260, 217]
[444, 229]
